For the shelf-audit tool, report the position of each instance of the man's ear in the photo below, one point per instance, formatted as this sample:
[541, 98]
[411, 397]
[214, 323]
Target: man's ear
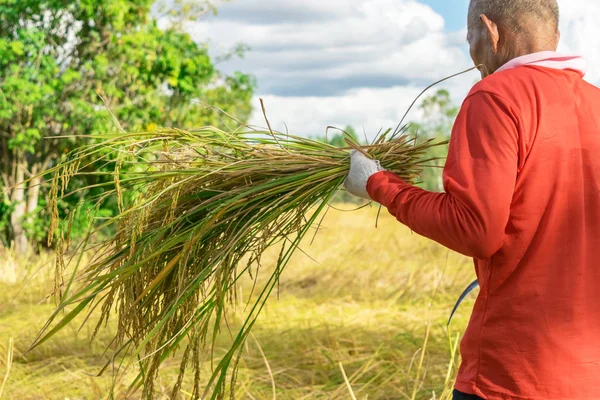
[492, 29]
[557, 37]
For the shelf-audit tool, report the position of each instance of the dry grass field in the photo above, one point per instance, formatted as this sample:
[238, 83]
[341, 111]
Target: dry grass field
[368, 302]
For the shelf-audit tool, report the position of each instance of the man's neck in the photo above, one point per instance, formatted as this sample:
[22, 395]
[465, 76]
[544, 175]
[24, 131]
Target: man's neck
[533, 40]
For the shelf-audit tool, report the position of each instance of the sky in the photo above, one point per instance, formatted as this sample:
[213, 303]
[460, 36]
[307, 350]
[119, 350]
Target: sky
[454, 12]
[360, 62]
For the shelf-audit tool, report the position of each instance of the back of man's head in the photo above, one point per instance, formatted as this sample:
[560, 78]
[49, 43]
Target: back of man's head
[516, 15]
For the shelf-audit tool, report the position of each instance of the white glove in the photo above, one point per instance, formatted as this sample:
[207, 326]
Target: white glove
[361, 169]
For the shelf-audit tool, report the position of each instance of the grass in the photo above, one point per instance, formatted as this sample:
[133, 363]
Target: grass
[362, 297]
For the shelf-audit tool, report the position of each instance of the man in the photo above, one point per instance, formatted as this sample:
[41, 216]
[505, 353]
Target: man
[522, 197]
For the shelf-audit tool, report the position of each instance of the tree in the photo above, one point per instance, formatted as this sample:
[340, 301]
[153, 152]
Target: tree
[179, 11]
[438, 115]
[58, 56]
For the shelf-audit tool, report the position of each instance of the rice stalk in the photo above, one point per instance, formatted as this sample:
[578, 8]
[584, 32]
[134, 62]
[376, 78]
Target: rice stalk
[346, 381]
[204, 206]
[9, 361]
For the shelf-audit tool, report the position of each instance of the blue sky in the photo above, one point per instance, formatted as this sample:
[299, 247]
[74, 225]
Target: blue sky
[360, 62]
[453, 11]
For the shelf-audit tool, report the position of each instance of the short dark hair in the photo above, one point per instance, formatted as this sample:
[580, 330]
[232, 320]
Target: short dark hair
[506, 12]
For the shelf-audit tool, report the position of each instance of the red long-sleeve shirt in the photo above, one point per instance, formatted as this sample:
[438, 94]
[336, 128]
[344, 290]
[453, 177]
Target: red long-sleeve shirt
[522, 196]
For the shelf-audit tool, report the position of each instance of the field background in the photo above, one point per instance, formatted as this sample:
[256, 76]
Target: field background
[369, 298]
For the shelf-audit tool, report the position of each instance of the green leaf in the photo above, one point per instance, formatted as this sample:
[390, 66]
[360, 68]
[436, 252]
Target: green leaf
[18, 48]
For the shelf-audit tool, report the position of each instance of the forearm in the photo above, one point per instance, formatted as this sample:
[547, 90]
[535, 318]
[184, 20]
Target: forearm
[438, 216]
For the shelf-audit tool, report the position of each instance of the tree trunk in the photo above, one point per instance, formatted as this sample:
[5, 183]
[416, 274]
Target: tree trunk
[18, 200]
[33, 193]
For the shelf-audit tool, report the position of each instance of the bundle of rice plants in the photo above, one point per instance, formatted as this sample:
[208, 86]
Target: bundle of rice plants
[203, 207]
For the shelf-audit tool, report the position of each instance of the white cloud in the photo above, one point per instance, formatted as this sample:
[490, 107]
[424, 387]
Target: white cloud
[581, 33]
[366, 109]
[336, 62]
[334, 45]
[357, 62]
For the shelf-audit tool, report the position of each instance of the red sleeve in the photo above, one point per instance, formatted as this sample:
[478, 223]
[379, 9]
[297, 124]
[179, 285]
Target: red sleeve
[479, 182]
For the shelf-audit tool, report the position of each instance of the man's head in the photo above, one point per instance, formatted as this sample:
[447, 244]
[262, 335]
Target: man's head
[500, 30]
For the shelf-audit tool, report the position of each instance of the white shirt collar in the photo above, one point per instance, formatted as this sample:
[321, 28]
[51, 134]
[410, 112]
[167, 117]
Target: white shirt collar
[548, 59]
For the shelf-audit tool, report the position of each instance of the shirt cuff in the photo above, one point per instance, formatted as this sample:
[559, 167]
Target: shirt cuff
[384, 186]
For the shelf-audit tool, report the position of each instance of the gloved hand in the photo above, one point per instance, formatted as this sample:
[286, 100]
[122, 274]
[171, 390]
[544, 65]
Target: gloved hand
[361, 169]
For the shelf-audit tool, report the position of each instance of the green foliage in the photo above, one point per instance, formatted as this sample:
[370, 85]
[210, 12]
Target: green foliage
[5, 211]
[182, 10]
[57, 58]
